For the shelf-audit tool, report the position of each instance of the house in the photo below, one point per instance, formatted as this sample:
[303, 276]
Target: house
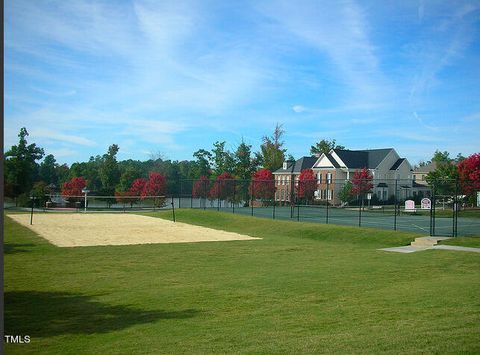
[388, 169]
[420, 173]
[287, 175]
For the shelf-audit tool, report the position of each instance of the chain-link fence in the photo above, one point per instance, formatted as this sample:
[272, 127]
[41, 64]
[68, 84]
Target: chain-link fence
[446, 208]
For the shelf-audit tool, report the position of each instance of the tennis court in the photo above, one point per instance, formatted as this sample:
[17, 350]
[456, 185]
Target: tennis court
[381, 218]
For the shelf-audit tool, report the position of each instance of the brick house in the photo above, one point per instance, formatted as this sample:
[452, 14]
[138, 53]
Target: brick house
[385, 165]
[287, 176]
[333, 169]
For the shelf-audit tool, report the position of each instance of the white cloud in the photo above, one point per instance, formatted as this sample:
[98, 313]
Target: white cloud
[299, 108]
[44, 134]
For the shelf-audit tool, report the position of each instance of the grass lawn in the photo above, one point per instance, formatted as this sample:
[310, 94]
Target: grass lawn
[304, 287]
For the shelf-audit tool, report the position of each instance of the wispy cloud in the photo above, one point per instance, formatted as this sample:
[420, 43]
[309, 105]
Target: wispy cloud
[342, 33]
[175, 76]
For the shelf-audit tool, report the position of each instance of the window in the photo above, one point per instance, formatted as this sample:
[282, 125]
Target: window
[329, 194]
[319, 177]
[329, 178]
[284, 165]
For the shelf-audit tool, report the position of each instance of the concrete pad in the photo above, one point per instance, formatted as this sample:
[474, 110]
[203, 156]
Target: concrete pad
[406, 249]
[454, 247]
[412, 249]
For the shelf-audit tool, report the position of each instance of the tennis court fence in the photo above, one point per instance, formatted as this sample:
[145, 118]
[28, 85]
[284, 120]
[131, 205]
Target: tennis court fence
[444, 208]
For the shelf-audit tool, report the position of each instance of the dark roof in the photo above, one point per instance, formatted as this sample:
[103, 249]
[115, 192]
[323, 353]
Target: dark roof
[354, 159]
[358, 159]
[298, 166]
[375, 156]
[397, 164]
[382, 184]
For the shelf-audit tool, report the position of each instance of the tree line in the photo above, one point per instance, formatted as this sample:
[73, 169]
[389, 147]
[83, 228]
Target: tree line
[26, 173]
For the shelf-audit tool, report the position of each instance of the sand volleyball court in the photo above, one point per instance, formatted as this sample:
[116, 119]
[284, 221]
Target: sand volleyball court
[79, 229]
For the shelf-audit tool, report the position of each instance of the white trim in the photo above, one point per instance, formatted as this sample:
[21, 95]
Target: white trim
[337, 158]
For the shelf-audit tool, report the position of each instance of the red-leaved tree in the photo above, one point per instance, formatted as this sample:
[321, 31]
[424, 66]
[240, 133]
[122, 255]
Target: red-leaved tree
[73, 189]
[361, 182]
[201, 187]
[262, 185]
[469, 174]
[223, 187]
[137, 186]
[155, 186]
[307, 184]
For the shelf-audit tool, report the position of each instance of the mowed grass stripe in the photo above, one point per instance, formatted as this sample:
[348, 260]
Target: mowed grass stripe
[302, 288]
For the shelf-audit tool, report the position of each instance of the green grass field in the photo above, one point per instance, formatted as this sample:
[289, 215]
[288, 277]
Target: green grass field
[303, 288]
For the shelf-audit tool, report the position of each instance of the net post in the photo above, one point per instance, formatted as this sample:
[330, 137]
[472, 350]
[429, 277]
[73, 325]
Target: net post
[173, 210]
[31, 211]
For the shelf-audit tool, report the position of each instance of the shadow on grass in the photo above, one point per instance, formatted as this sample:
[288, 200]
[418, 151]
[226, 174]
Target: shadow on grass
[45, 314]
[12, 248]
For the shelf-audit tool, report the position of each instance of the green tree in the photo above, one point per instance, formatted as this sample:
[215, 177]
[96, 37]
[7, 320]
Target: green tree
[443, 178]
[244, 164]
[48, 170]
[63, 173]
[345, 194]
[108, 170]
[21, 168]
[126, 179]
[202, 163]
[324, 146]
[441, 157]
[222, 159]
[272, 151]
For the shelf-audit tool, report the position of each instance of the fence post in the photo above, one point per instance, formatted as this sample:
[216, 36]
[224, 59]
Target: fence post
[233, 202]
[455, 209]
[274, 206]
[395, 202]
[359, 211]
[293, 197]
[204, 195]
[298, 209]
[251, 195]
[328, 189]
[434, 205]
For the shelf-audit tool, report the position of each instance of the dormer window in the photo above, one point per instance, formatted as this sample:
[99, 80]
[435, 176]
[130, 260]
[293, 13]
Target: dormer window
[284, 165]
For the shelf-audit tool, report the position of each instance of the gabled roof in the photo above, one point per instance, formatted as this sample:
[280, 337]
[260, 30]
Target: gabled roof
[353, 159]
[298, 166]
[397, 164]
[358, 159]
[426, 168]
[332, 160]
[376, 156]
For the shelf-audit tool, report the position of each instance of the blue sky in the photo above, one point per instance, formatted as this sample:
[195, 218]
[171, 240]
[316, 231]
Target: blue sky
[171, 77]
